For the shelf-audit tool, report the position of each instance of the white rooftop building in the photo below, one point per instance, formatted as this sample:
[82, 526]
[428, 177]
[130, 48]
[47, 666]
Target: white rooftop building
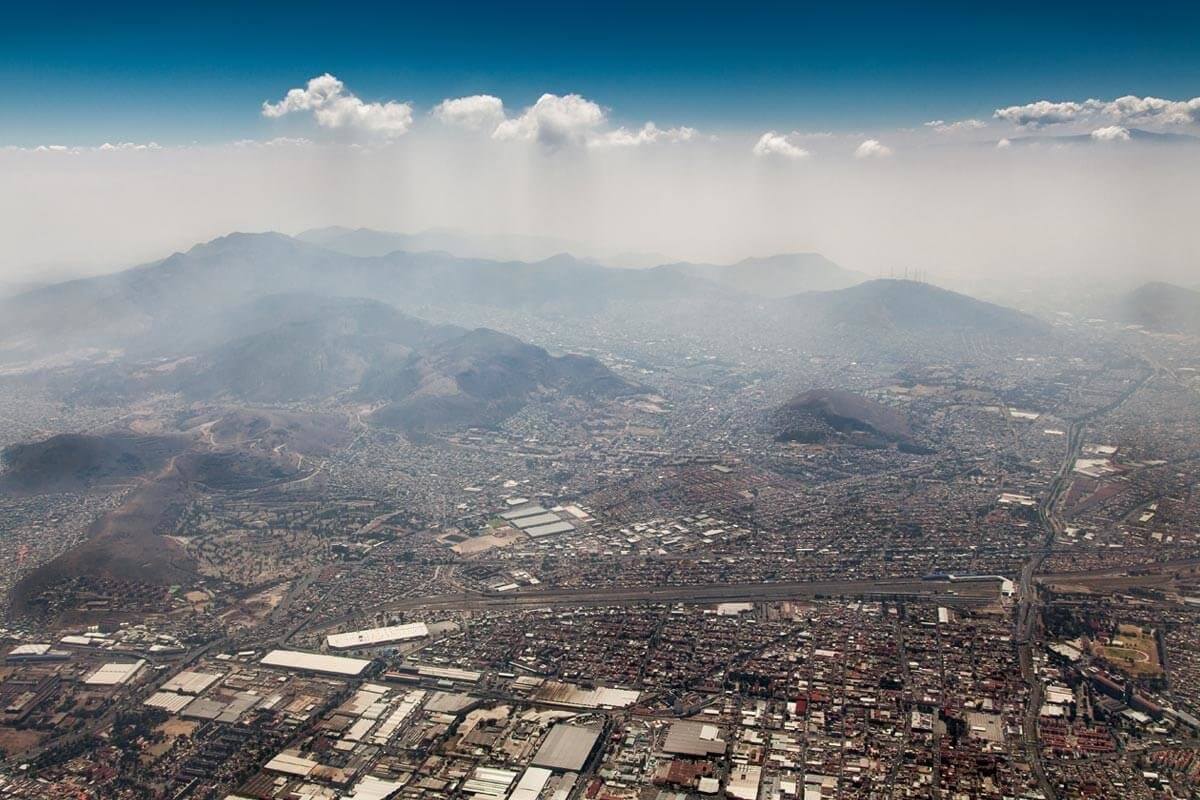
[375, 637]
[315, 662]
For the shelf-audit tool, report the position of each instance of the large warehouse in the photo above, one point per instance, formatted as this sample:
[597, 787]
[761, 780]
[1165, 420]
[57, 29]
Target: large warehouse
[567, 748]
[315, 662]
[687, 738]
[376, 637]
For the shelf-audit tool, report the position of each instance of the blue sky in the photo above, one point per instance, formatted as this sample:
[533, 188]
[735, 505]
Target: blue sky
[178, 72]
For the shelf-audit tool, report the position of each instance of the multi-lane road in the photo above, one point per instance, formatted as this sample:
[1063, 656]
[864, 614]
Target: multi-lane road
[948, 592]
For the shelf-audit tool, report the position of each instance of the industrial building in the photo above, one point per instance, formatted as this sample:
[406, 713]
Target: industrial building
[35, 652]
[694, 739]
[190, 682]
[315, 662]
[376, 637]
[567, 748]
[114, 673]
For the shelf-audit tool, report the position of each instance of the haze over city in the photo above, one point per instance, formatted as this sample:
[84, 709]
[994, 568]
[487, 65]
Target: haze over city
[966, 145]
[629, 402]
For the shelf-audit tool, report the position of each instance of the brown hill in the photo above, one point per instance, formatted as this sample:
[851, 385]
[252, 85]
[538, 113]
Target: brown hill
[823, 415]
[76, 461]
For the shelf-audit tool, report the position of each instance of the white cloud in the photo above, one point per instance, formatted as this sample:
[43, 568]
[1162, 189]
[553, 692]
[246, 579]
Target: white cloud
[1154, 110]
[1004, 144]
[333, 107]
[477, 112]
[872, 148]
[1043, 112]
[1124, 111]
[109, 147]
[962, 126]
[278, 141]
[649, 134]
[777, 144]
[554, 121]
[319, 92]
[1113, 133]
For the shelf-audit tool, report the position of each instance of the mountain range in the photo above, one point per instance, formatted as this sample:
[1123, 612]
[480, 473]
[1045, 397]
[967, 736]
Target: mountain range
[180, 302]
[775, 276]
[416, 375]
[461, 244]
[268, 319]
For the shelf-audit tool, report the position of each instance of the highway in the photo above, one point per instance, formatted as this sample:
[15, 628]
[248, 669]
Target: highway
[959, 592]
[1026, 611]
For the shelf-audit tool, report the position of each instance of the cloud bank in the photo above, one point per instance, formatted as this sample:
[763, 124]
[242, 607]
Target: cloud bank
[962, 126]
[1127, 111]
[554, 121]
[1112, 206]
[334, 107]
[1100, 199]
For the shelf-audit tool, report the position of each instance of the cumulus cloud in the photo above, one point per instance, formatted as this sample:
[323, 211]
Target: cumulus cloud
[648, 134]
[962, 126]
[872, 148]
[278, 141]
[554, 121]
[777, 144]
[1124, 111]
[109, 146]
[477, 112]
[1154, 110]
[1004, 144]
[333, 107]
[1113, 133]
[1043, 112]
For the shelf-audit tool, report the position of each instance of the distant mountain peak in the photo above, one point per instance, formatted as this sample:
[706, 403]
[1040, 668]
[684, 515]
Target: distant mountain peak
[777, 275]
[1162, 307]
[885, 304]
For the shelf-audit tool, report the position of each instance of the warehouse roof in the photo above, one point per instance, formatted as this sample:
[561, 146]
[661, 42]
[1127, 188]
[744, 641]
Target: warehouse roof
[550, 529]
[566, 747]
[531, 784]
[289, 762]
[190, 682]
[168, 701]
[315, 662]
[693, 739]
[372, 637]
[527, 511]
[114, 673]
[536, 520]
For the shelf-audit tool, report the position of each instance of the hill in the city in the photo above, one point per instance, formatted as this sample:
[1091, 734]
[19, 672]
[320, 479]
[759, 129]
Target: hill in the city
[887, 305]
[1161, 307]
[821, 416]
[75, 461]
[480, 379]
